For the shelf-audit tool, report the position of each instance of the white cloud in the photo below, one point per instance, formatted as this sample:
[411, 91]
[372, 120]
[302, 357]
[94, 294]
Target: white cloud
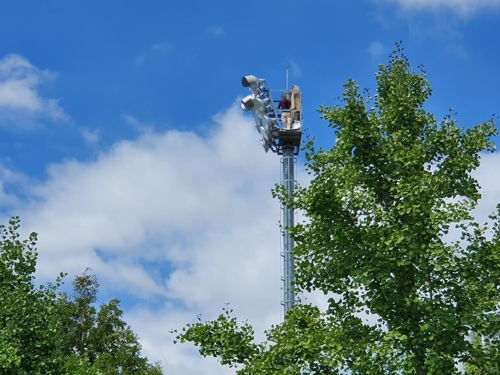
[140, 59]
[463, 8]
[138, 125]
[90, 137]
[156, 49]
[9, 178]
[440, 20]
[489, 181]
[216, 30]
[199, 207]
[161, 47]
[295, 69]
[20, 102]
[157, 342]
[376, 49]
[456, 50]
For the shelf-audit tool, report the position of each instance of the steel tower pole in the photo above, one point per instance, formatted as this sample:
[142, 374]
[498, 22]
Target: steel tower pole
[288, 161]
[283, 138]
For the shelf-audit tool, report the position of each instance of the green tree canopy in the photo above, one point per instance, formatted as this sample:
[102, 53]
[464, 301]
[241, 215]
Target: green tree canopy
[43, 332]
[380, 204]
[100, 338]
[29, 339]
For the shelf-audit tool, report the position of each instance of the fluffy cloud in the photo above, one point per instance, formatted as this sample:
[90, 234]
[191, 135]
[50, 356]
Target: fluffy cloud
[7, 179]
[155, 50]
[295, 69]
[175, 217]
[376, 49]
[90, 137]
[489, 182]
[216, 30]
[463, 8]
[138, 125]
[20, 102]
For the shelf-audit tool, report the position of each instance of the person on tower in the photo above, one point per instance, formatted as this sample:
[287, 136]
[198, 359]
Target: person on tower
[286, 116]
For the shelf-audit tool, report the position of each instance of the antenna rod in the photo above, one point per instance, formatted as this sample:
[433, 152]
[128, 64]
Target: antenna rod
[286, 86]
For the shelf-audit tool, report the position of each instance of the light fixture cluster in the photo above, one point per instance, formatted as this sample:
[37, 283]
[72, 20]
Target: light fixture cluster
[259, 102]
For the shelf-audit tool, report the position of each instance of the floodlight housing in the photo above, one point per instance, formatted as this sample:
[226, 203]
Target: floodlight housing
[252, 82]
[265, 145]
[266, 122]
[260, 104]
[263, 132]
[247, 103]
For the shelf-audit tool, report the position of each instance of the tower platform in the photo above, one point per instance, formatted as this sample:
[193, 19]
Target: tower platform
[288, 137]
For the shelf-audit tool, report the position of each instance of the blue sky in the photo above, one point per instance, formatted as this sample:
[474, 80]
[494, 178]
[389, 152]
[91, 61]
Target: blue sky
[122, 143]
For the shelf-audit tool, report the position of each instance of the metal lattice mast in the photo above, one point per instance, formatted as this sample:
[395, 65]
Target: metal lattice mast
[281, 131]
[288, 180]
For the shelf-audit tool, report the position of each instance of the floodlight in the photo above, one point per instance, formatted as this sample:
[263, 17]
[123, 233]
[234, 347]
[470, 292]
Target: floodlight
[265, 145]
[257, 125]
[247, 103]
[263, 133]
[252, 82]
[266, 122]
[260, 104]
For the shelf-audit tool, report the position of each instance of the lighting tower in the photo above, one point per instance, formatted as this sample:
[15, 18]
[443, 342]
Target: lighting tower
[282, 139]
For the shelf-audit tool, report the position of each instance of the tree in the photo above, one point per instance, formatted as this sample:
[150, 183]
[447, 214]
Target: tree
[379, 206]
[29, 343]
[99, 339]
[43, 332]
